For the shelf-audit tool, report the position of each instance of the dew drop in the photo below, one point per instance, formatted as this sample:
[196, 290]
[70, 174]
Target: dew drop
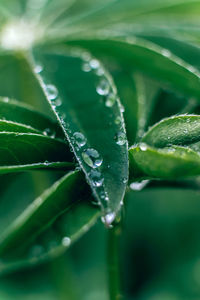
[92, 158]
[86, 67]
[143, 146]
[38, 69]
[103, 87]
[122, 109]
[94, 64]
[138, 186]
[121, 138]
[118, 120]
[51, 91]
[80, 139]
[56, 102]
[66, 241]
[125, 180]
[108, 219]
[99, 71]
[166, 53]
[110, 100]
[96, 177]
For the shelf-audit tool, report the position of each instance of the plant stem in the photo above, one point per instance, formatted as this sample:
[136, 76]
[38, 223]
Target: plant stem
[113, 262]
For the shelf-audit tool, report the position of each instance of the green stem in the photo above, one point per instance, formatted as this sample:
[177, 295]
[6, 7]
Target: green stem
[113, 262]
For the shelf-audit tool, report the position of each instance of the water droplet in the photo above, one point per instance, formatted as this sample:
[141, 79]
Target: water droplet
[94, 64]
[110, 100]
[108, 219]
[103, 87]
[79, 139]
[121, 138]
[143, 146]
[92, 158]
[166, 53]
[51, 91]
[99, 71]
[47, 131]
[66, 241]
[38, 69]
[96, 177]
[122, 109]
[86, 67]
[125, 180]
[138, 186]
[118, 120]
[56, 102]
[46, 163]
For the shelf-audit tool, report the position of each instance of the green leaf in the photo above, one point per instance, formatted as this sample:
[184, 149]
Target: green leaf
[173, 162]
[24, 151]
[70, 218]
[8, 126]
[149, 58]
[18, 112]
[177, 130]
[86, 105]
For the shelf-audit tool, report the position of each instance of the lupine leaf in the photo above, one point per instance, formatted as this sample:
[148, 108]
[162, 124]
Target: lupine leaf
[98, 141]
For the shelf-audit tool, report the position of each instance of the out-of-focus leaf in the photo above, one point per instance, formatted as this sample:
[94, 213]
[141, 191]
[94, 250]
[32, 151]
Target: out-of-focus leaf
[169, 163]
[86, 104]
[70, 215]
[18, 112]
[177, 130]
[23, 151]
[150, 58]
[18, 82]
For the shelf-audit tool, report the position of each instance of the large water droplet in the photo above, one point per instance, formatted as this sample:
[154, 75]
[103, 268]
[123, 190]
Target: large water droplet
[108, 219]
[92, 158]
[66, 241]
[138, 186]
[96, 177]
[51, 91]
[121, 138]
[103, 87]
[80, 139]
[118, 120]
[110, 100]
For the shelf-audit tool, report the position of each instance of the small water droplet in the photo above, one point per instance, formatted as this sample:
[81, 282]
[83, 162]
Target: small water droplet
[80, 139]
[118, 120]
[108, 219]
[38, 69]
[143, 146]
[125, 180]
[94, 64]
[99, 71]
[121, 138]
[138, 186]
[66, 241]
[96, 177]
[46, 163]
[47, 131]
[110, 100]
[56, 102]
[92, 158]
[86, 67]
[103, 87]
[166, 53]
[51, 91]
[122, 109]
